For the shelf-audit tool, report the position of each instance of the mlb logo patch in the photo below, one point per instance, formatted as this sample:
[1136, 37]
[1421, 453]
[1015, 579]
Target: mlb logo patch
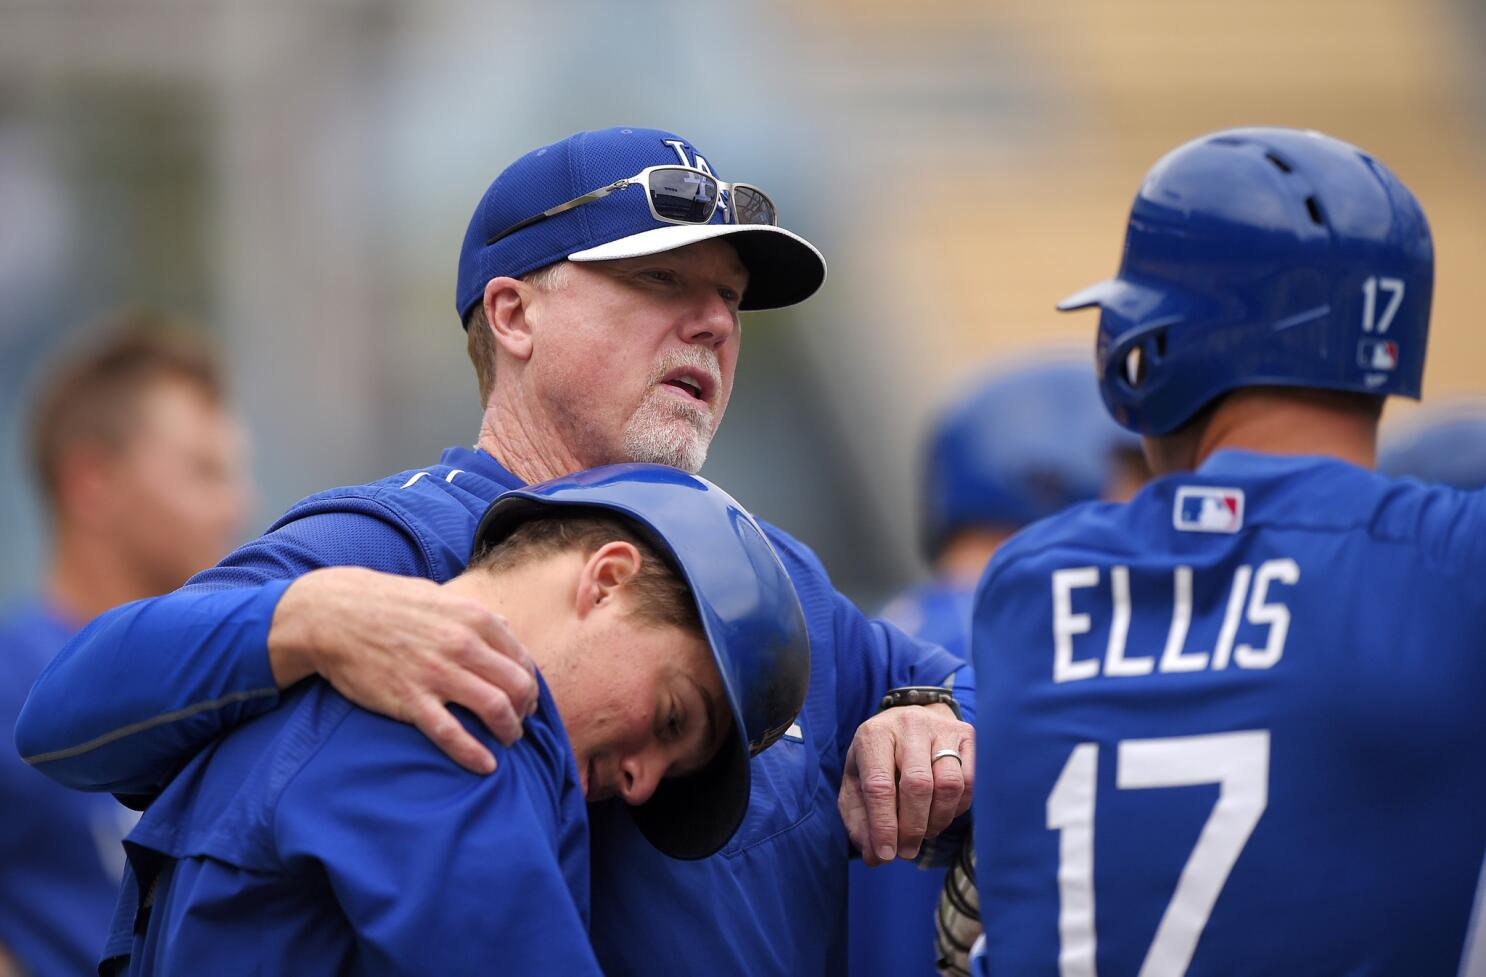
[1202, 509]
[1377, 354]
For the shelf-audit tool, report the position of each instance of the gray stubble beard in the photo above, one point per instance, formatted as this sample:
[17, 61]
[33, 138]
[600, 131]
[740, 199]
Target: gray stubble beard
[649, 436]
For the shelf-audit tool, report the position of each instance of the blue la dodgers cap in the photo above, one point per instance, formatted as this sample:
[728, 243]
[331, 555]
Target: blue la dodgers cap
[783, 268]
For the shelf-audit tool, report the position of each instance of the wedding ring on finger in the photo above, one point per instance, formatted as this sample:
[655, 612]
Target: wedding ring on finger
[941, 754]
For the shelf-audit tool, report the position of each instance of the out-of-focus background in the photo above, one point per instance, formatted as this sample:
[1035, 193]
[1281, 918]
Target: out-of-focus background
[295, 178]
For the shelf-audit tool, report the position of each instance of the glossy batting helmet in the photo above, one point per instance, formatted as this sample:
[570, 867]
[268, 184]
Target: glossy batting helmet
[1022, 445]
[749, 611]
[1446, 445]
[1259, 257]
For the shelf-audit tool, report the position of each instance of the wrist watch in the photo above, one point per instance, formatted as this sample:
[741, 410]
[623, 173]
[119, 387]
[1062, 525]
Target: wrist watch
[920, 695]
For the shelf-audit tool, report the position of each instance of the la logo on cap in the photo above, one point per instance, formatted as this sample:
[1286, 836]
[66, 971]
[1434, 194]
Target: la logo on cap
[1204, 509]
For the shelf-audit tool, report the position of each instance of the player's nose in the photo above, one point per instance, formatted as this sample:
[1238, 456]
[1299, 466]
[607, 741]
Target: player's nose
[639, 776]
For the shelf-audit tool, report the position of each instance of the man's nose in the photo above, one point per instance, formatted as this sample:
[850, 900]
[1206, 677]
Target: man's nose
[712, 323]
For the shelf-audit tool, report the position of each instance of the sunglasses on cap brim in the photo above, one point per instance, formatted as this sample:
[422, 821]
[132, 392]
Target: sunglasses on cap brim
[676, 195]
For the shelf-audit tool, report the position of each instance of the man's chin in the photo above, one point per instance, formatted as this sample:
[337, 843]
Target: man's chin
[686, 450]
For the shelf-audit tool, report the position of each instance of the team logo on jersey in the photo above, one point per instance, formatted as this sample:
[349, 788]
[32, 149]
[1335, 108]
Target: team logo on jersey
[1377, 354]
[1201, 509]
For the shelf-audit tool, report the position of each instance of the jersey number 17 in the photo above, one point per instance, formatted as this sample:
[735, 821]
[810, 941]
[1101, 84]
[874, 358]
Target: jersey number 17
[1237, 762]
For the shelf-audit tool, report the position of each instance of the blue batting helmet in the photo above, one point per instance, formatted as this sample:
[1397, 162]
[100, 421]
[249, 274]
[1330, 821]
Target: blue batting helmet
[1021, 446]
[749, 611]
[1446, 445]
[1257, 257]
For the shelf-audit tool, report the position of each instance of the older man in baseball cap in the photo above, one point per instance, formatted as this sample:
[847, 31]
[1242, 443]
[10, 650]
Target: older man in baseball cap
[600, 284]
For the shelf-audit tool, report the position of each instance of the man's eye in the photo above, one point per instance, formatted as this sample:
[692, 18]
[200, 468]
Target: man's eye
[729, 296]
[673, 725]
[660, 275]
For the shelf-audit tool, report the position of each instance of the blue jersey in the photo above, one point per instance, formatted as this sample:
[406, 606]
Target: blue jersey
[1232, 728]
[890, 919]
[182, 668]
[322, 839]
[60, 856]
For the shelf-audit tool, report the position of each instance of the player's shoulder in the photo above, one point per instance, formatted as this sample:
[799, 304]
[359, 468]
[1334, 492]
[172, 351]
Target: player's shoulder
[1236, 493]
[419, 492]
[384, 759]
[1092, 530]
[221, 804]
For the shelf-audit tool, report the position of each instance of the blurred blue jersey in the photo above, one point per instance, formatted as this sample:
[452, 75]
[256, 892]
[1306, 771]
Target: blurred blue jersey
[178, 670]
[890, 908]
[320, 838]
[1231, 728]
[60, 853]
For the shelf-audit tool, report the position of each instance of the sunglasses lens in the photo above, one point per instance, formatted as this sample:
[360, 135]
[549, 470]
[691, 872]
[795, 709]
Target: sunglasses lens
[685, 196]
[753, 206]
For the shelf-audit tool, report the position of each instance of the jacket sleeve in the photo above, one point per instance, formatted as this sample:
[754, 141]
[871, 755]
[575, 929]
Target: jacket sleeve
[437, 870]
[870, 656]
[138, 691]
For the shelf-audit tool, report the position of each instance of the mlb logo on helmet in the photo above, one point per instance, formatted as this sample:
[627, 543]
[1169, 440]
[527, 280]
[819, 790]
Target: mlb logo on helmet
[1377, 354]
[1201, 509]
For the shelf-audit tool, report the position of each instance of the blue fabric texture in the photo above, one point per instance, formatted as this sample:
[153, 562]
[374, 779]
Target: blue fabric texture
[320, 838]
[890, 922]
[1269, 672]
[772, 902]
[60, 858]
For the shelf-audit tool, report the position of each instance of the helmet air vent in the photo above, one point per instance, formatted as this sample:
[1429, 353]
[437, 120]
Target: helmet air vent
[1314, 209]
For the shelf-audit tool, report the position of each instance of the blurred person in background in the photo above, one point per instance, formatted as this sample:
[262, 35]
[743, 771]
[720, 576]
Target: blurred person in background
[1024, 443]
[1444, 443]
[140, 467]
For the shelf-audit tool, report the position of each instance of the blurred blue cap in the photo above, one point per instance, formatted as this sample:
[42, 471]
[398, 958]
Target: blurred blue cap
[1021, 445]
[1445, 445]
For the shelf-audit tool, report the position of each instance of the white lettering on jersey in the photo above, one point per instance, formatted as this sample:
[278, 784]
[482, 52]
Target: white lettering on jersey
[1115, 662]
[1173, 659]
[1276, 616]
[1244, 604]
[1066, 624]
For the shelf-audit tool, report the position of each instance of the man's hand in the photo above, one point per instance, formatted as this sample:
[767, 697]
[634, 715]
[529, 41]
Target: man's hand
[893, 794]
[406, 648]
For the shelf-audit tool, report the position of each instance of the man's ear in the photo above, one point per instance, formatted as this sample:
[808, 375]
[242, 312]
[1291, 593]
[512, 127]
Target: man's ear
[507, 307]
[610, 567]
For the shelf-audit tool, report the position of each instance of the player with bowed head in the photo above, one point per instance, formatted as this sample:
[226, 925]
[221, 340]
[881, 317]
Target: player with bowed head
[140, 466]
[600, 286]
[1236, 722]
[320, 837]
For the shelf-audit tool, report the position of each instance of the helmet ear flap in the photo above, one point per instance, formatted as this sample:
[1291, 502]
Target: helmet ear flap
[1131, 364]
[1133, 371]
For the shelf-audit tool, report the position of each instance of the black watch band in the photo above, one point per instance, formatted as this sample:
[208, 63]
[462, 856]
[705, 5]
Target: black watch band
[920, 695]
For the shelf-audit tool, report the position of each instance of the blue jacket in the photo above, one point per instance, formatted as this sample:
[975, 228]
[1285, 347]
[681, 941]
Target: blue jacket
[890, 919]
[182, 668]
[320, 838]
[1232, 727]
[60, 858]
